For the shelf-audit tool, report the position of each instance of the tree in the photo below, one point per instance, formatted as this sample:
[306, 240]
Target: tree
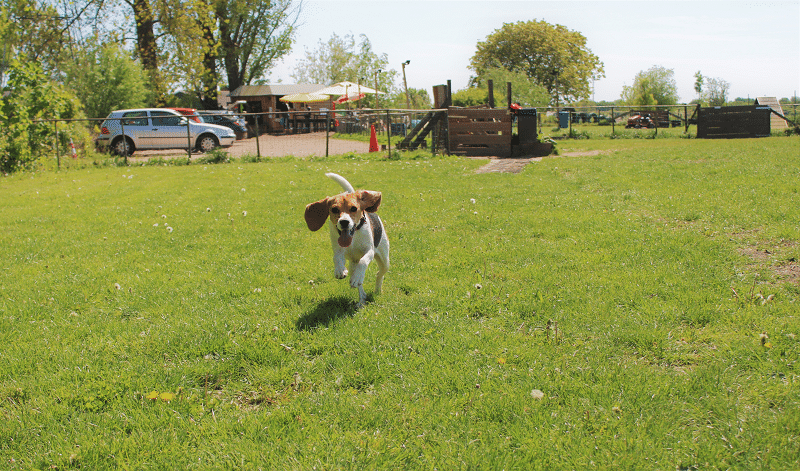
[698, 84]
[655, 86]
[716, 93]
[550, 55]
[28, 98]
[418, 97]
[343, 59]
[106, 78]
[523, 90]
[37, 32]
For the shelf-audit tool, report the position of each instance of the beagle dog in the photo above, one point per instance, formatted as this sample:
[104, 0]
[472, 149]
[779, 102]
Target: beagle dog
[357, 233]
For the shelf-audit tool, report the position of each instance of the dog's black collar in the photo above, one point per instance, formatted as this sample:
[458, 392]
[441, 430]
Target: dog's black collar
[359, 226]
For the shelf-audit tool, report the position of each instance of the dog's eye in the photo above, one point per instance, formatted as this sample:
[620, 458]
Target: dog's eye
[335, 211]
[353, 209]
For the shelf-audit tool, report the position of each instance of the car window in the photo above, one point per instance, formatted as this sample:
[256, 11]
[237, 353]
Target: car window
[134, 118]
[165, 118]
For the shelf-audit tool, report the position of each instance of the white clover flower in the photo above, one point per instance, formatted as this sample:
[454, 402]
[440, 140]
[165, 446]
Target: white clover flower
[155, 225]
[208, 210]
[117, 286]
[169, 229]
[472, 200]
[244, 213]
[164, 216]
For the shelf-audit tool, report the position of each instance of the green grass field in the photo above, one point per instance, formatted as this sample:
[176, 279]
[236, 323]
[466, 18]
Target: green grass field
[635, 308]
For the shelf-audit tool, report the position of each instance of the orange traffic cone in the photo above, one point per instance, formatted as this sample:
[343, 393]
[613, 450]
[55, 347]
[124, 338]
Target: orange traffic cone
[373, 140]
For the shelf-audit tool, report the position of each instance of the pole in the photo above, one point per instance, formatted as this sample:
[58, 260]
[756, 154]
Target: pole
[405, 84]
[327, 130]
[389, 126]
[376, 88]
[258, 138]
[55, 143]
[188, 140]
[613, 120]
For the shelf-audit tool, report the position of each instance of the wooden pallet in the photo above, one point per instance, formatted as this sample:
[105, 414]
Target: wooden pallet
[479, 132]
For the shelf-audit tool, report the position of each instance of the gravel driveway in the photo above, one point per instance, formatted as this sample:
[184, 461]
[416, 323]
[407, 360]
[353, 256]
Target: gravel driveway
[298, 145]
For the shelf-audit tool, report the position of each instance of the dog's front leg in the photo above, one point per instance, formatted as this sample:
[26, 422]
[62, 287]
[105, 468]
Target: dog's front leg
[359, 271]
[339, 265]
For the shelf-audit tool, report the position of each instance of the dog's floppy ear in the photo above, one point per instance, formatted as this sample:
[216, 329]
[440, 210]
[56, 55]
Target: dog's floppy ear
[370, 200]
[317, 214]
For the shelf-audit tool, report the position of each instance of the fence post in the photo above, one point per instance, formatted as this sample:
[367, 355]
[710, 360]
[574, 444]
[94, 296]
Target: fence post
[258, 138]
[188, 140]
[685, 119]
[389, 126]
[55, 142]
[328, 129]
[613, 120]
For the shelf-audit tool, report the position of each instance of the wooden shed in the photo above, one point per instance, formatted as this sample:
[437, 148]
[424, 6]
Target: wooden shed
[266, 98]
[776, 123]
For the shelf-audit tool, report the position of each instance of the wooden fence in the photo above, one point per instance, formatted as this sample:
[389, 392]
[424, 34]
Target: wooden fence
[479, 132]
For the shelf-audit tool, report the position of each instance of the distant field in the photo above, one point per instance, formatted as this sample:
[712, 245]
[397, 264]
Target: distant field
[631, 304]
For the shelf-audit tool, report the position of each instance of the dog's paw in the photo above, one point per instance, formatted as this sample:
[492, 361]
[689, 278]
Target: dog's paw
[340, 276]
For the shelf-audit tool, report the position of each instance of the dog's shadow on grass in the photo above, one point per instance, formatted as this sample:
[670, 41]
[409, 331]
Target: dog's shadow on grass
[327, 312]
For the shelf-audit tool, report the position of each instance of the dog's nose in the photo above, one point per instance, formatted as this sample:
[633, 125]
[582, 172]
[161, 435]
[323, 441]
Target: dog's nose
[344, 223]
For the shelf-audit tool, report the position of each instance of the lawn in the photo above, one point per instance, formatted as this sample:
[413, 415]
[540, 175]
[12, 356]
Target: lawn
[630, 304]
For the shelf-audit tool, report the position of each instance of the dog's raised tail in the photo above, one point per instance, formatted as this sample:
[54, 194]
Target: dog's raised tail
[348, 188]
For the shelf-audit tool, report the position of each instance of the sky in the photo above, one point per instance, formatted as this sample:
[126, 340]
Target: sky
[754, 46]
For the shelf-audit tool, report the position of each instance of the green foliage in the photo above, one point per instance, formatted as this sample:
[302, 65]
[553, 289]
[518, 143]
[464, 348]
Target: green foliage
[523, 91]
[28, 99]
[106, 79]
[553, 56]
[418, 98]
[655, 86]
[342, 58]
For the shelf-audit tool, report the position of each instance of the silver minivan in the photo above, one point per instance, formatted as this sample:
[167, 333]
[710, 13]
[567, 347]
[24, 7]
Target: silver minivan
[125, 131]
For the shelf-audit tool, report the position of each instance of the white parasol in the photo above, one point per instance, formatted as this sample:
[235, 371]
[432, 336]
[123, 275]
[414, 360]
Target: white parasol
[347, 88]
[304, 98]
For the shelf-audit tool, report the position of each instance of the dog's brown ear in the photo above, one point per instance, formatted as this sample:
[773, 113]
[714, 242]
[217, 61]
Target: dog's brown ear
[370, 200]
[317, 214]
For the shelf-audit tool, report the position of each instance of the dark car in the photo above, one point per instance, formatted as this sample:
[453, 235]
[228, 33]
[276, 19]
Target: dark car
[230, 121]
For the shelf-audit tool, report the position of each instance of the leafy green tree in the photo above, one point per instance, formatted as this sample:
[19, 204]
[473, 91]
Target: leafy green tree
[34, 30]
[342, 58]
[29, 97]
[698, 84]
[655, 86]
[716, 93]
[419, 99]
[550, 55]
[106, 78]
[523, 90]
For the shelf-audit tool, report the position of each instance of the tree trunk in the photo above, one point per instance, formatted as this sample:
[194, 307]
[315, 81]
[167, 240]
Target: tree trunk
[147, 47]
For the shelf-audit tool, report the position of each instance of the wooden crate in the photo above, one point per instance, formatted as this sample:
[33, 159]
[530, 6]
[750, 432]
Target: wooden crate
[479, 132]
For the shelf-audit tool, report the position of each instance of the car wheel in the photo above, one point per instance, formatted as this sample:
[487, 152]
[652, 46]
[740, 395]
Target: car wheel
[122, 146]
[207, 143]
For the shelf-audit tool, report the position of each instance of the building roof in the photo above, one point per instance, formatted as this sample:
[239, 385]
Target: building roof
[275, 90]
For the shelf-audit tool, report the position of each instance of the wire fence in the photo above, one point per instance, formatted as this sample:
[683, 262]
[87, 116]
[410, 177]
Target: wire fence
[319, 133]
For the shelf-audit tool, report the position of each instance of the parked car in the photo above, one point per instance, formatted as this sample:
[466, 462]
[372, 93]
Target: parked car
[191, 113]
[154, 128]
[227, 120]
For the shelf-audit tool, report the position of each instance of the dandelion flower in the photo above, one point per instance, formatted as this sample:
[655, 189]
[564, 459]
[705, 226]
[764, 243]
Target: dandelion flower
[537, 394]
[166, 397]
[501, 361]
[152, 395]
